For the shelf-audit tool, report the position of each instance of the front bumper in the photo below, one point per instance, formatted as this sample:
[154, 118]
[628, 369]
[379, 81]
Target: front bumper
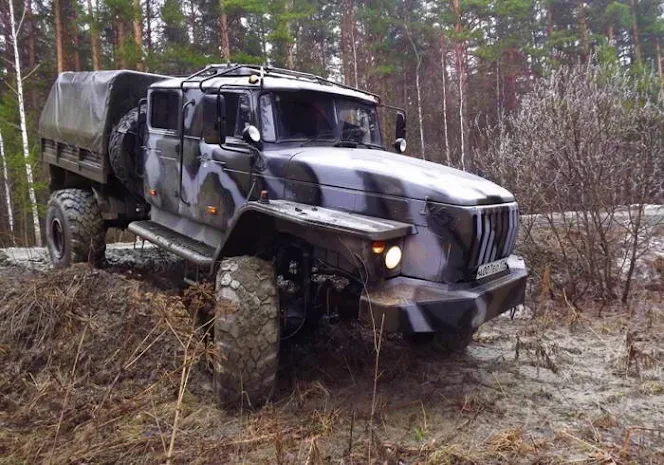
[416, 306]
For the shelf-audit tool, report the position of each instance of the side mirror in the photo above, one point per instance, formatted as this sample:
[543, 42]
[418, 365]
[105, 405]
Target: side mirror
[400, 145]
[251, 135]
[214, 119]
[400, 131]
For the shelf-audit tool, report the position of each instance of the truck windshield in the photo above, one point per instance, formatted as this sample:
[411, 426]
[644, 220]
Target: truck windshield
[316, 116]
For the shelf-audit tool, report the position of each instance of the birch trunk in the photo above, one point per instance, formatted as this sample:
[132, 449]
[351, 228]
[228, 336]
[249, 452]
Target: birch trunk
[443, 63]
[461, 78]
[462, 97]
[24, 129]
[354, 48]
[8, 193]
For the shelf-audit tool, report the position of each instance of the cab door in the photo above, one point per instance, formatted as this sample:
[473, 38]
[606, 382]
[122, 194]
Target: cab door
[222, 179]
[161, 152]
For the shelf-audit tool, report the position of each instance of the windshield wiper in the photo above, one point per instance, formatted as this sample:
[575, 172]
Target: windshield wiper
[318, 138]
[353, 144]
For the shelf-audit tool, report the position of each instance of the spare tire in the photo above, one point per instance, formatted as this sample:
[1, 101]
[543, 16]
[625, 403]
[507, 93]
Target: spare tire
[125, 150]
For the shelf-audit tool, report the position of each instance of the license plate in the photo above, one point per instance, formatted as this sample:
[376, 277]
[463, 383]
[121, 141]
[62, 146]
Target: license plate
[491, 268]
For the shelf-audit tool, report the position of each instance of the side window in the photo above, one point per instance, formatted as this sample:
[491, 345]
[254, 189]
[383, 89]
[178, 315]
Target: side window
[231, 100]
[267, 118]
[238, 113]
[164, 109]
[243, 114]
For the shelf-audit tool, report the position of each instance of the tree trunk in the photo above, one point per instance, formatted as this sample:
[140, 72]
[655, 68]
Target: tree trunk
[353, 45]
[348, 46]
[8, 192]
[461, 73]
[224, 32]
[635, 31]
[443, 64]
[289, 44]
[59, 44]
[610, 35]
[551, 24]
[583, 27]
[94, 37]
[263, 39]
[509, 81]
[148, 24]
[418, 57]
[75, 33]
[138, 33]
[659, 63]
[193, 37]
[119, 49]
[24, 128]
[32, 56]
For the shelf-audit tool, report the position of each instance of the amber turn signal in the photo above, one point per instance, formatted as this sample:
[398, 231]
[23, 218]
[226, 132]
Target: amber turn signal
[378, 247]
[152, 192]
[212, 210]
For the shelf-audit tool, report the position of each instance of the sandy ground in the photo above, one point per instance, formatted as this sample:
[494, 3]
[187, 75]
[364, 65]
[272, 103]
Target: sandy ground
[552, 385]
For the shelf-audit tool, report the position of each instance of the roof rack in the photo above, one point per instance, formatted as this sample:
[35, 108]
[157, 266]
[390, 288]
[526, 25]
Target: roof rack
[218, 70]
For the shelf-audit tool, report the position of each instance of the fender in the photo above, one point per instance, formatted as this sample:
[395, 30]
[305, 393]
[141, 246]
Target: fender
[260, 219]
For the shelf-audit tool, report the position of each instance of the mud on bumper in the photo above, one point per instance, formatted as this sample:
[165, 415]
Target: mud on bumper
[413, 305]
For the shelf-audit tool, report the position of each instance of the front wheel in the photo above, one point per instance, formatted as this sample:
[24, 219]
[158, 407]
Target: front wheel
[246, 332]
[75, 230]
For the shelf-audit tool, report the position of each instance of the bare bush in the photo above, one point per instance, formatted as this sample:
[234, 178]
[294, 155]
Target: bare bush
[584, 157]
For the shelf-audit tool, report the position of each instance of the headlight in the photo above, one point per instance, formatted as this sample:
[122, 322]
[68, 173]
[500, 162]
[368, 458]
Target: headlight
[393, 257]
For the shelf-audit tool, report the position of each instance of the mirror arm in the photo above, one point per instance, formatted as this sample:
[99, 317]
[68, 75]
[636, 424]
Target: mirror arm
[392, 107]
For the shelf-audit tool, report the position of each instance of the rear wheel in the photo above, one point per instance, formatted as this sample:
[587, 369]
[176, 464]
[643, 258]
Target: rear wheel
[246, 332]
[74, 228]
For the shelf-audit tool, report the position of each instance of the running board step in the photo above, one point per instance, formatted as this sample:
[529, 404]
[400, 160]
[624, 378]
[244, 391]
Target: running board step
[183, 246]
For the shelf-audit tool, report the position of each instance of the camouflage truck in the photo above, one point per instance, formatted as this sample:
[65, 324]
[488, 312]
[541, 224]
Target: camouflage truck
[278, 186]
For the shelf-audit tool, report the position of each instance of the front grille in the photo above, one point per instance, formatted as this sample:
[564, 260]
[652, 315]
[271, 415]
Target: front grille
[495, 231]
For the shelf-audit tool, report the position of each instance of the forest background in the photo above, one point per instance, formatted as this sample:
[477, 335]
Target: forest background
[457, 66]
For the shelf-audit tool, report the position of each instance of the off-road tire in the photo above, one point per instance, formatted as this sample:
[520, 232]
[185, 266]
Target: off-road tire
[124, 153]
[246, 332]
[75, 230]
[447, 342]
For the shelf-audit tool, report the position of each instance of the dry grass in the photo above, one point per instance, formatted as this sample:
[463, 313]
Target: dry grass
[91, 363]
[100, 368]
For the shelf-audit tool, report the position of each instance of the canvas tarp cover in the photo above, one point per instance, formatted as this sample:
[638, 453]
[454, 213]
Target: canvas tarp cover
[83, 107]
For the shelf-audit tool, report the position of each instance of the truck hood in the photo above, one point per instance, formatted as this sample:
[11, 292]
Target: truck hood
[387, 173]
